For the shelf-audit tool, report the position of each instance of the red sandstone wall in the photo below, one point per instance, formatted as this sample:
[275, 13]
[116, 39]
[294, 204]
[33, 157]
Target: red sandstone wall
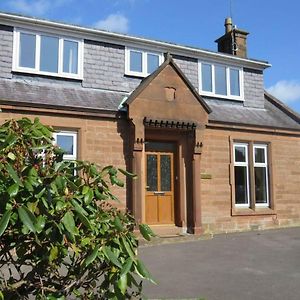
[216, 192]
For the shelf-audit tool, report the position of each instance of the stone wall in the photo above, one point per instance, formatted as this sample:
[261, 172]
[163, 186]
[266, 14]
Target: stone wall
[216, 201]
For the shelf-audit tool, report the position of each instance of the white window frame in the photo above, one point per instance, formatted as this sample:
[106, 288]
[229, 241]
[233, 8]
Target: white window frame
[228, 92]
[36, 70]
[68, 133]
[144, 72]
[262, 165]
[243, 164]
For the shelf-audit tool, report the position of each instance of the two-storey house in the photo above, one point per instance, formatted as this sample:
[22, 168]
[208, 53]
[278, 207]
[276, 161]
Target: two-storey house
[212, 150]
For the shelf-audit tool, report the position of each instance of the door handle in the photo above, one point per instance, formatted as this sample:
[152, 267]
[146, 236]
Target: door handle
[159, 193]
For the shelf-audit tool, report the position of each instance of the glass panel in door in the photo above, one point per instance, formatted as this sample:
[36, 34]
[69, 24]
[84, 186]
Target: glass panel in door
[165, 172]
[152, 182]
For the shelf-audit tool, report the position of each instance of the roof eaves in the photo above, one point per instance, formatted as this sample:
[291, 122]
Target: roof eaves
[279, 104]
[60, 107]
[101, 35]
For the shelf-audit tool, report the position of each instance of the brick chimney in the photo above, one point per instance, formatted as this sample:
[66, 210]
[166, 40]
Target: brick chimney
[234, 41]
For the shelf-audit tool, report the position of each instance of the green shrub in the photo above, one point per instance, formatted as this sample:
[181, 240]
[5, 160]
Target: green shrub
[59, 235]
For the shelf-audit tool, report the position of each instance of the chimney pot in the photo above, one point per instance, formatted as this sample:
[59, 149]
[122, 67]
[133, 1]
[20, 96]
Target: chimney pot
[234, 41]
[228, 25]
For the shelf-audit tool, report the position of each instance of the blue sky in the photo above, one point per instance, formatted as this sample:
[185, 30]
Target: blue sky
[273, 25]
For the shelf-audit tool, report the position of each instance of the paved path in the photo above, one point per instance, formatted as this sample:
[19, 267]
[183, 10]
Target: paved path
[261, 265]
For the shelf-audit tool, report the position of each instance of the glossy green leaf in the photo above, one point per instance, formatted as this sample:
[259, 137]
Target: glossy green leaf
[88, 196]
[10, 140]
[84, 220]
[79, 208]
[112, 171]
[99, 195]
[28, 186]
[53, 254]
[126, 267]
[91, 257]
[128, 249]
[143, 272]
[115, 181]
[60, 183]
[69, 223]
[122, 284]
[118, 224]
[41, 193]
[4, 221]
[27, 218]
[146, 231]
[112, 257]
[13, 190]
[60, 205]
[85, 189]
[13, 174]
[126, 173]
[32, 206]
[40, 223]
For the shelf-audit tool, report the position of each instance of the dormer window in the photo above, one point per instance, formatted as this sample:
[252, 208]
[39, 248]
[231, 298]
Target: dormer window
[47, 54]
[221, 81]
[141, 63]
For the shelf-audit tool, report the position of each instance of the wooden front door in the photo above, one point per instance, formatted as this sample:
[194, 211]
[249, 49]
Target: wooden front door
[159, 188]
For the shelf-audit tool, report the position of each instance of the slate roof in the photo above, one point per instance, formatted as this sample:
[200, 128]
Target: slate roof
[57, 96]
[275, 116]
[68, 97]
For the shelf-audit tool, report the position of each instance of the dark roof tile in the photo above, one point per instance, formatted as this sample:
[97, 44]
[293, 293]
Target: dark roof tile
[56, 95]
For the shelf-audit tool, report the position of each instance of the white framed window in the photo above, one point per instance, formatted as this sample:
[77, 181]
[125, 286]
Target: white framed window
[260, 161]
[221, 81]
[251, 174]
[241, 175]
[67, 140]
[141, 62]
[47, 54]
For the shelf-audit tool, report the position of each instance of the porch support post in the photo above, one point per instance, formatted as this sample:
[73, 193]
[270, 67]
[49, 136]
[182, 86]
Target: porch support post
[138, 169]
[197, 223]
[137, 185]
[196, 195]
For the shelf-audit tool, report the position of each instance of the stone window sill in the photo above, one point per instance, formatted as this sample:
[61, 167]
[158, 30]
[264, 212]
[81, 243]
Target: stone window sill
[252, 212]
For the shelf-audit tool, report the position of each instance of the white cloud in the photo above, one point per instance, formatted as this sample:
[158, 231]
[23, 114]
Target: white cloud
[36, 7]
[286, 90]
[114, 22]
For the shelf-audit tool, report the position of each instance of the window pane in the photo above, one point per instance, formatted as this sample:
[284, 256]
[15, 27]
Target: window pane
[136, 63]
[152, 62]
[165, 172]
[49, 54]
[27, 50]
[234, 82]
[259, 154]
[240, 154]
[241, 187]
[261, 184]
[160, 146]
[206, 78]
[70, 63]
[66, 143]
[220, 80]
[152, 172]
